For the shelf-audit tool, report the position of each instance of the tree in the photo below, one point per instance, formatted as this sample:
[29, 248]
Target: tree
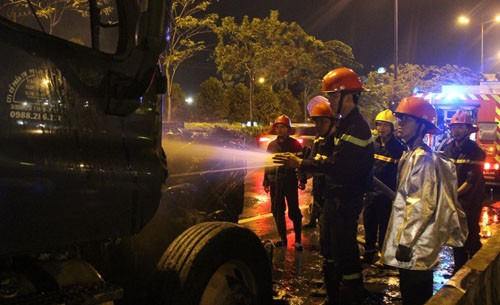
[290, 105]
[314, 61]
[267, 105]
[51, 11]
[211, 103]
[281, 52]
[183, 110]
[237, 98]
[411, 78]
[189, 23]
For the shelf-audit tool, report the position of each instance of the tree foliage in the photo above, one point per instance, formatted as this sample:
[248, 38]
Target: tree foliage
[267, 105]
[281, 52]
[386, 92]
[237, 97]
[190, 22]
[211, 103]
[50, 11]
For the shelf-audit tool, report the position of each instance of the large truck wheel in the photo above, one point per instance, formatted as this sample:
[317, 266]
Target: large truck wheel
[215, 263]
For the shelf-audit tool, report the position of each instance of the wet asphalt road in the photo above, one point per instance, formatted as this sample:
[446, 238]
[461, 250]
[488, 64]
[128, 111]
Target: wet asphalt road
[294, 271]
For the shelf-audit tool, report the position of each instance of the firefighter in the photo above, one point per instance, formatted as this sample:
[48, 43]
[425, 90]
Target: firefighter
[468, 158]
[282, 183]
[348, 175]
[425, 213]
[322, 116]
[378, 204]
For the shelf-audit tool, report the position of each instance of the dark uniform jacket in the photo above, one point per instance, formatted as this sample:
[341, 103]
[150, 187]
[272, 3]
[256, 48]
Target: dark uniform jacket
[469, 161]
[385, 167]
[322, 148]
[275, 174]
[350, 166]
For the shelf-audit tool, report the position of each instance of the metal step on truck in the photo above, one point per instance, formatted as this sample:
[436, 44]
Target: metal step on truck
[87, 213]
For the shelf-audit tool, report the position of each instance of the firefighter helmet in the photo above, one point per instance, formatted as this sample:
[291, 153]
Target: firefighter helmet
[321, 109]
[386, 116]
[342, 79]
[285, 120]
[463, 117]
[420, 109]
[315, 101]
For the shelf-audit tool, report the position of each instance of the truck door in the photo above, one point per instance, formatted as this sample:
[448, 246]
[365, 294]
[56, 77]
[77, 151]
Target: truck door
[78, 150]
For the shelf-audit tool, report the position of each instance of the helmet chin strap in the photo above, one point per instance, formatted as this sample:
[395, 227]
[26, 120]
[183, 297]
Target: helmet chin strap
[331, 127]
[461, 139]
[338, 114]
[412, 140]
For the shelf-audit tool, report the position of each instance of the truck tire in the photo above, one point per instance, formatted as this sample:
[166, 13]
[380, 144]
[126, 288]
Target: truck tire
[215, 263]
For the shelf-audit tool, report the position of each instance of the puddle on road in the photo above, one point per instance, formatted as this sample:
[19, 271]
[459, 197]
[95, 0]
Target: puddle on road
[294, 271]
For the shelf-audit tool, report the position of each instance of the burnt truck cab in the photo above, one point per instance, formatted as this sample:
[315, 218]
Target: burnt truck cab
[85, 214]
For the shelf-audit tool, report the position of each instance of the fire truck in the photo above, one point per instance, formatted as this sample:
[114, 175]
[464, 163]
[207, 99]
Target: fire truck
[485, 111]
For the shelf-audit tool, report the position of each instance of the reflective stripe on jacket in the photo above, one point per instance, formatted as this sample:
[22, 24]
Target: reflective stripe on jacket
[348, 170]
[469, 161]
[387, 156]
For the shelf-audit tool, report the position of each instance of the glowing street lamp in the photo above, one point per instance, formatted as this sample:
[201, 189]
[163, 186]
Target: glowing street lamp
[466, 20]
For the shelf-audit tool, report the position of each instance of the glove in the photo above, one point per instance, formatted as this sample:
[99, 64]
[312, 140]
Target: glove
[403, 254]
[287, 159]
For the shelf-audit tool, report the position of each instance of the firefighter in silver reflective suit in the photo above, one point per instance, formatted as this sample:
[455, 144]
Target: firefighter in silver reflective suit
[426, 213]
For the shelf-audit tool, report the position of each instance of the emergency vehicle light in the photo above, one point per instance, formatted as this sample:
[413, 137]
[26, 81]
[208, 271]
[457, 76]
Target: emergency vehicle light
[455, 94]
[493, 166]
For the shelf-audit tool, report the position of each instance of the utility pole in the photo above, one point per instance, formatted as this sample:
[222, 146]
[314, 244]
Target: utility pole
[396, 59]
[396, 31]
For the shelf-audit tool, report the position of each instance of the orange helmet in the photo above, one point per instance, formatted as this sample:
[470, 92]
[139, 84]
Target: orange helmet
[321, 110]
[285, 120]
[342, 79]
[420, 109]
[463, 117]
[315, 101]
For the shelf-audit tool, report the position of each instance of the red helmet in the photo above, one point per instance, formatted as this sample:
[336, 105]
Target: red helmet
[420, 109]
[321, 109]
[342, 79]
[285, 120]
[463, 117]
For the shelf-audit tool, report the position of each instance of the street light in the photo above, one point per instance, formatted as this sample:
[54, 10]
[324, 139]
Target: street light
[465, 20]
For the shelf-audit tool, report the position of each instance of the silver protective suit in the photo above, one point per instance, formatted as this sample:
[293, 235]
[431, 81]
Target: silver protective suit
[426, 213]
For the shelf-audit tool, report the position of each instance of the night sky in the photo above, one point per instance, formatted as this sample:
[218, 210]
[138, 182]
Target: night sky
[428, 31]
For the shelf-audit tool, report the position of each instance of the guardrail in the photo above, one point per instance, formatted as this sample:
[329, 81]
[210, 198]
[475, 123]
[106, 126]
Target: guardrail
[478, 282]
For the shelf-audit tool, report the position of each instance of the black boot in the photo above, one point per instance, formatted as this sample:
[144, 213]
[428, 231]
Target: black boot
[297, 228]
[332, 283]
[281, 226]
[370, 257]
[352, 292]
